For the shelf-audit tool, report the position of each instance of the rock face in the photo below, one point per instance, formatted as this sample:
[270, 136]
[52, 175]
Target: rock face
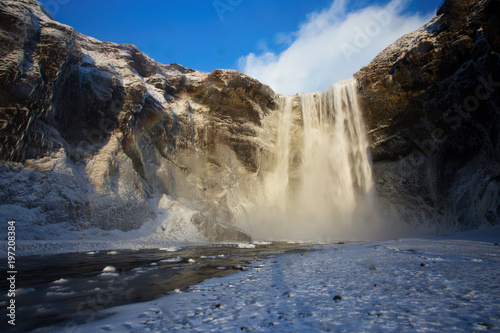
[432, 109]
[95, 133]
[98, 134]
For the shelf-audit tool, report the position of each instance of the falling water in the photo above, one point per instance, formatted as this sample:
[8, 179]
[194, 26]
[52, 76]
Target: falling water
[326, 193]
[277, 184]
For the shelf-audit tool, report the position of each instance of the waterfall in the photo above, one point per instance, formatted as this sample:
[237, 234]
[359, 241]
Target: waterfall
[277, 184]
[321, 185]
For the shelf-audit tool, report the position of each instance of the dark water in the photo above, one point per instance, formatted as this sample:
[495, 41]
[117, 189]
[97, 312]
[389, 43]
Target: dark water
[140, 276]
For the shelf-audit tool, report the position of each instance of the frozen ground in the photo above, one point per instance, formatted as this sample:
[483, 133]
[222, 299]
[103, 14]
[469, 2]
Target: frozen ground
[97, 240]
[447, 284]
[171, 229]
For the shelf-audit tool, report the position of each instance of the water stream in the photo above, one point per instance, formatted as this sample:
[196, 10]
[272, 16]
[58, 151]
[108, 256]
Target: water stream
[72, 288]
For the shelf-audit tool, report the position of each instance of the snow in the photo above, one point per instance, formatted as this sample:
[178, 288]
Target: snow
[177, 220]
[109, 269]
[20, 291]
[170, 249]
[408, 285]
[246, 246]
[171, 231]
[39, 247]
[215, 257]
[95, 243]
[173, 260]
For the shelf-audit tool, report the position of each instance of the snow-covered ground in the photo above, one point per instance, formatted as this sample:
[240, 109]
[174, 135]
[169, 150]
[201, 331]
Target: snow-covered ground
[172, 228]
[447, 284]
[94, 239]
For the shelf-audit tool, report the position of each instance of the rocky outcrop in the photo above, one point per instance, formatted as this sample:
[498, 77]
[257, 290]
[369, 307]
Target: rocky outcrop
[432, 108]
[98, 134]
[94, 133]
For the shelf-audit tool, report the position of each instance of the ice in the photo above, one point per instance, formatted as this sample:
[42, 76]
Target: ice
[21, 291]
[335, 288]
[170, 249]
[215, 257]
[261, 243]
[109, 269]
[60, 293]
[245, 246]
[173, 260]
[92, 241]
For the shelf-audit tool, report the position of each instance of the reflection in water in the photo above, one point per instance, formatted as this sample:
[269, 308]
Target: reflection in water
[72, 288]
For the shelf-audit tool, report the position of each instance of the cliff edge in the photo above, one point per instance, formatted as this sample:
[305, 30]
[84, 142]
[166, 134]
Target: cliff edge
[432, 109]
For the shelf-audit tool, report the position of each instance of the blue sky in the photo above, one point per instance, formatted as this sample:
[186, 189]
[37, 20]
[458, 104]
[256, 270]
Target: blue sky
[249, 35]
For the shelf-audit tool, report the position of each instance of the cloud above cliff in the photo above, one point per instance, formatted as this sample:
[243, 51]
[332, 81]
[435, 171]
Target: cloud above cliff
[330, 45]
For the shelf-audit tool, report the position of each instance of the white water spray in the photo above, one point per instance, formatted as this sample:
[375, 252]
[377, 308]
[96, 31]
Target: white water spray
[321, 186]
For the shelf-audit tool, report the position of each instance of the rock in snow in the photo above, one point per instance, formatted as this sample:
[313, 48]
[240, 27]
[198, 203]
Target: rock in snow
[97, 134]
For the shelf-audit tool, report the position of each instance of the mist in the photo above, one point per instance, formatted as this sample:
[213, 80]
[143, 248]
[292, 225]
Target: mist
[320, 187]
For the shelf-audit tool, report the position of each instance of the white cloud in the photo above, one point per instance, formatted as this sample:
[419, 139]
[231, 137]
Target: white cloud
[330, 46]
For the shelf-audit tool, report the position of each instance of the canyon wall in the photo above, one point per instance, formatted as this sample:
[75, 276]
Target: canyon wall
[97, 134]
[432, 108]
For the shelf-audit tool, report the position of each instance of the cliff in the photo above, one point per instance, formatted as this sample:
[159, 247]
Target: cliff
[94, 133]
[97, 134]
[432, 108]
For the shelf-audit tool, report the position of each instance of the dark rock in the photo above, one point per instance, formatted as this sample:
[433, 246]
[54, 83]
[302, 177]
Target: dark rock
[337, 298]
[121, 128]
[220, 233]
[92, 131]
[239, 267]
[431, 104]
[487, 325]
